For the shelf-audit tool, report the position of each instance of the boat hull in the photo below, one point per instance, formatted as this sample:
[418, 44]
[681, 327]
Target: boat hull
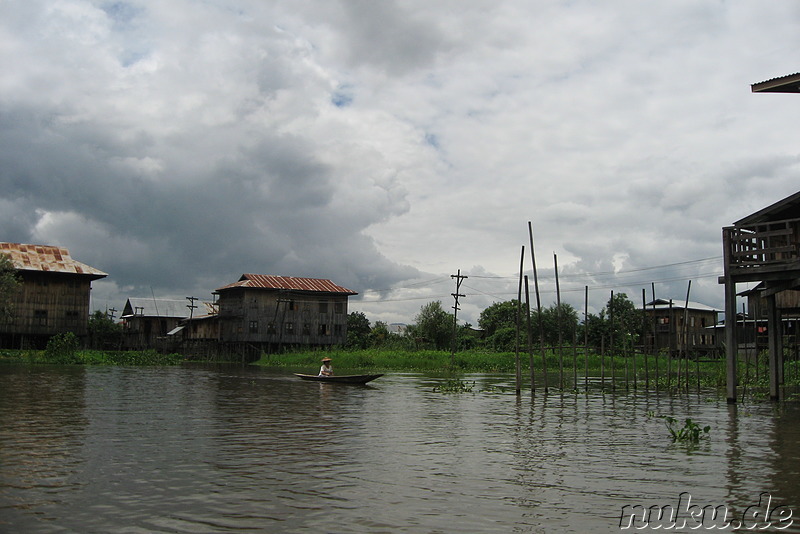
[340, 379]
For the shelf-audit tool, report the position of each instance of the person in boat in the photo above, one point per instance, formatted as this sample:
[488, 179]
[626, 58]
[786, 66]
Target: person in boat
[326, 369]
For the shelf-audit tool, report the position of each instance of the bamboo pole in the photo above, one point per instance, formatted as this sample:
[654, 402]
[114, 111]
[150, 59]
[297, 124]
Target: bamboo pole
[655, 333]
[586, 337]
[558, 326]
[519, 311]
[644, 350]
[686, 335]
[538, 309]
[530, 335]
[670, 330]
[611, 341]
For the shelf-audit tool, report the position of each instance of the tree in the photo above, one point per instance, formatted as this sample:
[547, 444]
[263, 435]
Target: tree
[567, 323]
[9, 286]
[379, 334]
[104, 333]
[497, 316]
[627, 325]
[358, 330]
[434, 325]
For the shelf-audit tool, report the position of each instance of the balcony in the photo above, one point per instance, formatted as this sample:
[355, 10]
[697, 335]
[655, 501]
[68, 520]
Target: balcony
[764, 251]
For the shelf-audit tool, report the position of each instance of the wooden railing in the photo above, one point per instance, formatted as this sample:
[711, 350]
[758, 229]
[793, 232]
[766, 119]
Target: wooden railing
[764, 245]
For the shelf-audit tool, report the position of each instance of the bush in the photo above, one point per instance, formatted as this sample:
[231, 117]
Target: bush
[63, 348]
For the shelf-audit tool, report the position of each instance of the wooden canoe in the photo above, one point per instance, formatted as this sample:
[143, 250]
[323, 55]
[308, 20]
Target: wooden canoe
[340, 379]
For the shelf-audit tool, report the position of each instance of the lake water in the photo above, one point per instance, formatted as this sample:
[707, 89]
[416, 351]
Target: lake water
[244, 449]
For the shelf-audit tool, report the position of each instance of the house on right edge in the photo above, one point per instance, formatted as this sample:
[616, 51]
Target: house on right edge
[763, 247]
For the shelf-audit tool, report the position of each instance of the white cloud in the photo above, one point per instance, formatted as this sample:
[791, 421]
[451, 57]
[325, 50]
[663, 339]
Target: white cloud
[383, 145]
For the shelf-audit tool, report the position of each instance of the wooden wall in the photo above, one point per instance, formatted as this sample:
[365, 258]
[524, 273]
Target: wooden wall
[258, 316]
[50, 303]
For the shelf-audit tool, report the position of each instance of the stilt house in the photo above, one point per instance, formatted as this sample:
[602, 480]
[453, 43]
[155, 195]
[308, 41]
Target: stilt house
[681, 329]
[268, 311]
[53, 296]
[762, 247]
[147, 321]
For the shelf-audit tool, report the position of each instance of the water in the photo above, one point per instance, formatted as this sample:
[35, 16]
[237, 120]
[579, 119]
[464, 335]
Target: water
[240, 449]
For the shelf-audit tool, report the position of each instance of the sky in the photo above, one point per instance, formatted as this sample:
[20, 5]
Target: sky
[389, 145]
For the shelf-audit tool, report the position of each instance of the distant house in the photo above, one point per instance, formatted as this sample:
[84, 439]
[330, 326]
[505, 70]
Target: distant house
[678, 328]
[54, 295]
[267, 311]
[147, 321]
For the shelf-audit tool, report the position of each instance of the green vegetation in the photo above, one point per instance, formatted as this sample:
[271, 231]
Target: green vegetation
[690, 432]
[61, 352]
[9, 285]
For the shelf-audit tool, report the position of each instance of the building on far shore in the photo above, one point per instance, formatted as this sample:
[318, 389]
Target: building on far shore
[267, 312]
[53, 297]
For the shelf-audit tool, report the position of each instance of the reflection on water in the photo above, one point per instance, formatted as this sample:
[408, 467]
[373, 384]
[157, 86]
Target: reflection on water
[230, 449]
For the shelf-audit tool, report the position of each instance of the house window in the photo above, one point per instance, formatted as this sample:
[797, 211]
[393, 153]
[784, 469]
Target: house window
[306, 329]
[337, 330]
[323, 330]
[289, 328]
[291, 305]
[254, 327]
[323, 307]
[40, 317]
[338, 307]
[72, 318]
[270, 328]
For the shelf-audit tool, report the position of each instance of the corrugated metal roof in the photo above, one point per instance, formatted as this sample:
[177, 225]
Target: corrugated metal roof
[288, 283]
[783, 84]
[47, 258]
[662, 304]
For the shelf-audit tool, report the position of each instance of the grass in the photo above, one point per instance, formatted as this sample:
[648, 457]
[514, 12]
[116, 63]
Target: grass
[90, 357]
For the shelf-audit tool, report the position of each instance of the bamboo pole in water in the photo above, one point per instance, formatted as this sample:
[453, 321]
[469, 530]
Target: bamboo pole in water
[538, 309]
[558, 327]
[644, 349]
[686, 335]
[519, 312]
[671, 329]
[586, 337]
[530, 335]
[655, 332]
[611, 341]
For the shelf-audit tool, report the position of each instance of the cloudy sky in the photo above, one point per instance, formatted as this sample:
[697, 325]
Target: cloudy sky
[386, 145]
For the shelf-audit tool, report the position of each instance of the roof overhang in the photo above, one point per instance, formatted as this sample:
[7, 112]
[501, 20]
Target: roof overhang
[784, 84]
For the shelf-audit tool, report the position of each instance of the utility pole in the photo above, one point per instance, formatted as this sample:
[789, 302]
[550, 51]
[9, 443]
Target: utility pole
[110, 313]
[459, 278]
[191, 306]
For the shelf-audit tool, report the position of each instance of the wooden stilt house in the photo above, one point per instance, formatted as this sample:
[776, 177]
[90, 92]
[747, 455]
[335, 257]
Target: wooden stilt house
[680, 329]
[53, 296]
[267, 312]
[147, 321]
[762, 247]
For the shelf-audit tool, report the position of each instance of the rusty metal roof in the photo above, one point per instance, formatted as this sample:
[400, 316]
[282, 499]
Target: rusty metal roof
[783, 84]
[47, 259]
[287, 283]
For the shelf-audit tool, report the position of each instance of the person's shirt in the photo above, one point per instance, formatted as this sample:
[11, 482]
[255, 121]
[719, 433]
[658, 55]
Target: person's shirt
[325, 370]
